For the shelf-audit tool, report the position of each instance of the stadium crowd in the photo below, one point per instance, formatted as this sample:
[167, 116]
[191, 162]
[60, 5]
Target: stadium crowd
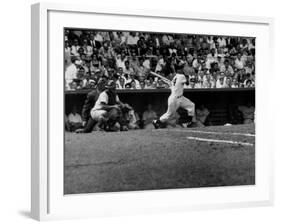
[128, 57]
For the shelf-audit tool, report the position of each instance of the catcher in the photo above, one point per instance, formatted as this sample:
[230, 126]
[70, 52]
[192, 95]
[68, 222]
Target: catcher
[108, 110]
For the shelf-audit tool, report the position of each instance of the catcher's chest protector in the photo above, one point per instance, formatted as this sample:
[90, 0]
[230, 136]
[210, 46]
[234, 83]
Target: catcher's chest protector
[111, 98]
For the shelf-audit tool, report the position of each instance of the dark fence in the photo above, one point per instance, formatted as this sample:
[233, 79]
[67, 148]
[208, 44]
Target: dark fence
[222, 103]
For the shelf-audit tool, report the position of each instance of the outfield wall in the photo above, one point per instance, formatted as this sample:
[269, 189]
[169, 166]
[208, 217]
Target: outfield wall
[222, 103]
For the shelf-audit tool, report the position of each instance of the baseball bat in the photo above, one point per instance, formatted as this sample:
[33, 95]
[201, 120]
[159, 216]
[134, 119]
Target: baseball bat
[161, 77]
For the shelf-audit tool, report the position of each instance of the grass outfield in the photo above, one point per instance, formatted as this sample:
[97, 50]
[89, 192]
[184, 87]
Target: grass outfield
[158, 159]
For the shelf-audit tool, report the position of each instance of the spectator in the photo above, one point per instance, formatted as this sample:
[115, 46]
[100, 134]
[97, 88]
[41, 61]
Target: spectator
[191, 84]
[88, 50]
[134, 62]
[146, 63]
[120, 83]
[211, 58]
[244, 57]
[148, 116]
[86, 81]
[71, 73]
[106, 51]
[251, 44]
[80, 73]
[248, 83]
[160, 64]
[96, 61]
[98, 40]
[128, 69]
[227, 68]
[75, 47]
[121, 38]
[188, 69]
[120, 60]
[244, 45]
[92, 40]
[67, 54]
[66, 123]
[142, 84]
[133, 120]
[74, 120]
[220, 82]
[239, 63]
[135, 83]
[221, 41]
[128, 86]
[97, 75]
[161, 84]
[214, 68]
[200, 76]
[235, 83]
[202, 114]
[207, 81]
[142, 71]
[249, 67]
[88, 66]
[248, 113]
[210, 42]
[198, 84]
[132, 40]
[196, 64]
[150, 83]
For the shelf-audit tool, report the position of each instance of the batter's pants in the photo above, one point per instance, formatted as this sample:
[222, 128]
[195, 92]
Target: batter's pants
[174, 103]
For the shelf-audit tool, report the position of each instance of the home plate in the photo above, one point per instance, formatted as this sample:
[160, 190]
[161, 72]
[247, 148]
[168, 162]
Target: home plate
[220, 141]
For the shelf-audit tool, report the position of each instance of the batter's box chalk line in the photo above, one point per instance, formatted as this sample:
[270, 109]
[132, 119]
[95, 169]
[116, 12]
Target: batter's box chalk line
[220, 141]
[212, 132]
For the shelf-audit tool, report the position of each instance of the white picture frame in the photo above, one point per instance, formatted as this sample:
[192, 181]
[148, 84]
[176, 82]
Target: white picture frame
[47, 202]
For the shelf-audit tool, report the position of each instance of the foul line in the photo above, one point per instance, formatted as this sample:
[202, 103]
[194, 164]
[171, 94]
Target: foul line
[213, 132]
[219, 141]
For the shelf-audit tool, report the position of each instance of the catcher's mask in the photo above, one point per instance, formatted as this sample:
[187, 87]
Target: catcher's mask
[101, 84]
[110, 85]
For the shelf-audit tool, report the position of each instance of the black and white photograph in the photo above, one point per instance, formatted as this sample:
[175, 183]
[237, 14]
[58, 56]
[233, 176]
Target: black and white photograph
[157, 111]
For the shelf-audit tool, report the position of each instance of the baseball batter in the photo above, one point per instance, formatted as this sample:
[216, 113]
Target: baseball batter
[176, 100]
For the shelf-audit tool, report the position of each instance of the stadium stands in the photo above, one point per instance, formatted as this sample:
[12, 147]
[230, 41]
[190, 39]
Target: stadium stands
[127, 58]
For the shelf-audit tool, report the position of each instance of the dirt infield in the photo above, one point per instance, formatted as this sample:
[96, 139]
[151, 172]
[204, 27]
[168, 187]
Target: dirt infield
[158, 159]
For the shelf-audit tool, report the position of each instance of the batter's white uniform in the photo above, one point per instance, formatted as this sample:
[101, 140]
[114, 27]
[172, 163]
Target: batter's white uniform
[176, 99]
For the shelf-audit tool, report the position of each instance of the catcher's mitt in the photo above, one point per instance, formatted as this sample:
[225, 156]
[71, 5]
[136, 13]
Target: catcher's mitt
[126, 108]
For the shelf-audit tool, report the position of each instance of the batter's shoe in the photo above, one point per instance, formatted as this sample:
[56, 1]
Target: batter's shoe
[80, 130]
[99, 128]
[191, 125]
[124, 128]
[156, 124]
